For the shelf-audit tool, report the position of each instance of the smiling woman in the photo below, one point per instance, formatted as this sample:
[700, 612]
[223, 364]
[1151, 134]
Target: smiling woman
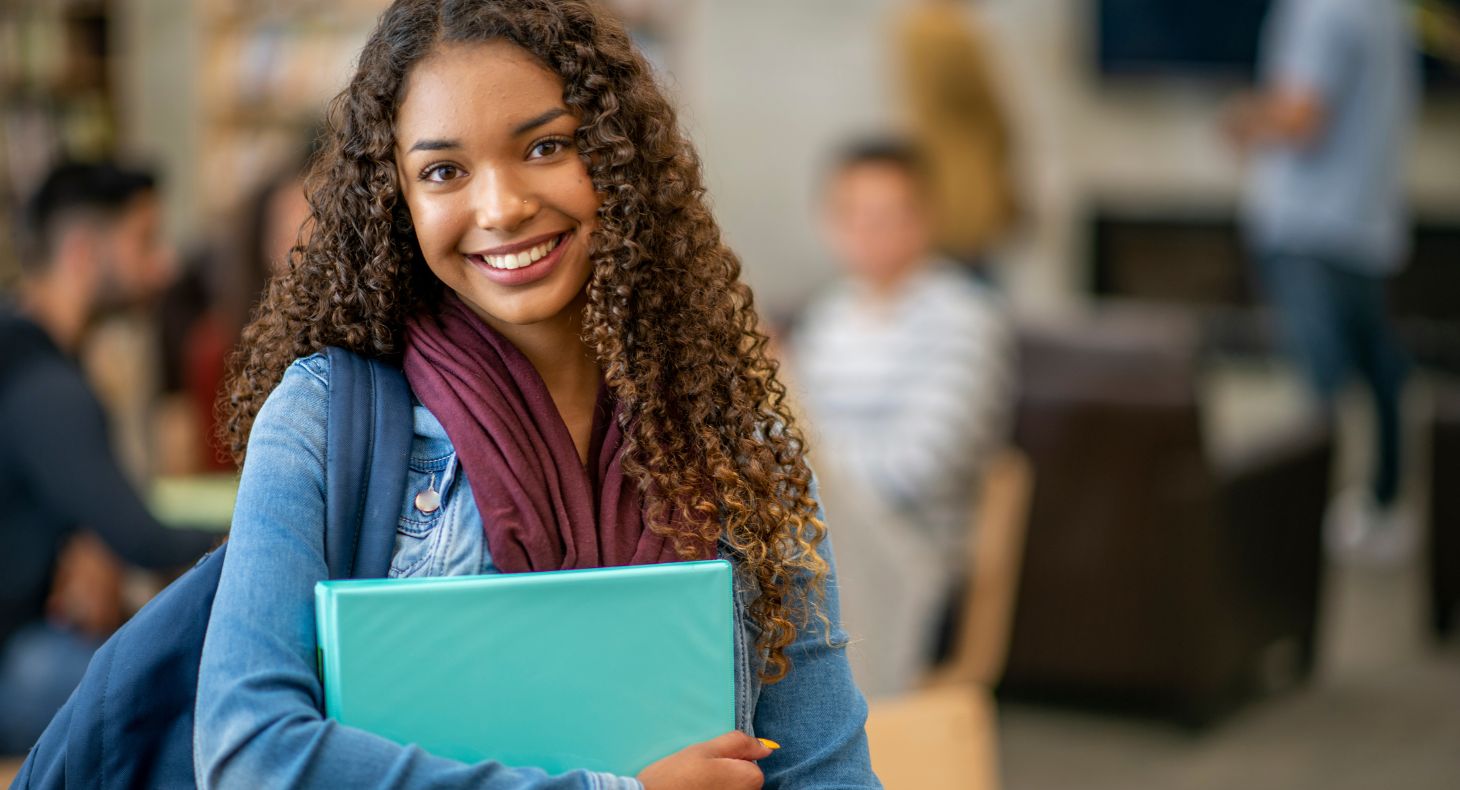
[504, 210]
[507, 208]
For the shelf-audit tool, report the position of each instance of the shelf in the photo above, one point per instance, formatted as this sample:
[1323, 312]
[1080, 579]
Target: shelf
[267, 74]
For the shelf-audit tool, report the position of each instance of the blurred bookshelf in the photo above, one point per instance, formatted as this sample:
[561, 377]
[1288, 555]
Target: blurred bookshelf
[56, 97]
[254, 79]
[267, 73]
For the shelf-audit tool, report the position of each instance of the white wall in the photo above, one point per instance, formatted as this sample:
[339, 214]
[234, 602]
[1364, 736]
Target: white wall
[768, 88]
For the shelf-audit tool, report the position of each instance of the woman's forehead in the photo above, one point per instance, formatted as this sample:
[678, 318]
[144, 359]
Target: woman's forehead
[487, 87]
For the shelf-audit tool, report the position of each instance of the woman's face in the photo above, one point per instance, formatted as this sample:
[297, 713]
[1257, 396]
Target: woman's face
[503, 207]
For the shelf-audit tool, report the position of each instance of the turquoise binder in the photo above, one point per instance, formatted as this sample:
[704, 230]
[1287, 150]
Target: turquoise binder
[604, 669]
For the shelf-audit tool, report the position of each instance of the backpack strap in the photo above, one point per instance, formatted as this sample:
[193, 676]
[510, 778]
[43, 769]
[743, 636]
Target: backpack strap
[368, 446]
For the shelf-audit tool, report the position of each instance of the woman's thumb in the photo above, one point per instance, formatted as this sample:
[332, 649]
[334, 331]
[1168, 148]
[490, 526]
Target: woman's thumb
[737, 745]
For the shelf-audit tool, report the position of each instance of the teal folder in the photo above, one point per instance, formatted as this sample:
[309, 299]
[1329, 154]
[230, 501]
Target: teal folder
[604, 669]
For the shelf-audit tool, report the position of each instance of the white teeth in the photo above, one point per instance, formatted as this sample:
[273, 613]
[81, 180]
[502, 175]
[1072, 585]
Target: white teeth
[521, 259]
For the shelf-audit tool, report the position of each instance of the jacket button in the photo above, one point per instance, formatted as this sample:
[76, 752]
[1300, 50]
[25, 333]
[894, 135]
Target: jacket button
[427, 501]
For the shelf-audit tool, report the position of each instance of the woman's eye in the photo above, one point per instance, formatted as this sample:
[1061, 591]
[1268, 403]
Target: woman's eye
[547, 148]
[440, 173]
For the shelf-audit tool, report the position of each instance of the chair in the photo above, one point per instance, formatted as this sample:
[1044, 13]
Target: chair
[1001, 518]
[1158, 577]
[941, 738]
[944, 735]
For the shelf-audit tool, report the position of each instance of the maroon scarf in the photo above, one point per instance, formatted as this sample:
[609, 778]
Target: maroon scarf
[541, 509]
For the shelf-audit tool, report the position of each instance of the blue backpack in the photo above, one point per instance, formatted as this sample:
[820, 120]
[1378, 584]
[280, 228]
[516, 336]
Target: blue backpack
[130, 721]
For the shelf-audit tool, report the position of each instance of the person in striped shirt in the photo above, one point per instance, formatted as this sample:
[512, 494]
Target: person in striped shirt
[905, 368]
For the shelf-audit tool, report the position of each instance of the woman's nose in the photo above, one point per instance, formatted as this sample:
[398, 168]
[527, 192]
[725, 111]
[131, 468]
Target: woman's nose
[502, 203]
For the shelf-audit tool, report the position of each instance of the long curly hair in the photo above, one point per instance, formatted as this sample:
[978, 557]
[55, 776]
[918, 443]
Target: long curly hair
[671, 324]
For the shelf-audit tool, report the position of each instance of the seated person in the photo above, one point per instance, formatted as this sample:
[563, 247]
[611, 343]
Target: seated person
[94, 245]
[904, 368]
[202, 315]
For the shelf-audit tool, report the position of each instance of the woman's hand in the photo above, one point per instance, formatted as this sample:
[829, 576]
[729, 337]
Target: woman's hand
[725, 763]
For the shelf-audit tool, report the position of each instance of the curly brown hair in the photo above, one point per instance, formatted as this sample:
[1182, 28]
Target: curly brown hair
[673, 327]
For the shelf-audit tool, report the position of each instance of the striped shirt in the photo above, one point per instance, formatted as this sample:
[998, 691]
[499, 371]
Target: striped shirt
[908, 396]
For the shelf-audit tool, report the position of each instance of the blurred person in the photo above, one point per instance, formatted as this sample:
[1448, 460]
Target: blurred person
[905, 369]
[1327, 223]
[95, 246]
[204, 313]
[956, 118]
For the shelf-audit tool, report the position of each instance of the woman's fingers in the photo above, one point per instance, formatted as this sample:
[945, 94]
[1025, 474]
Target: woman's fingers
[736, 745]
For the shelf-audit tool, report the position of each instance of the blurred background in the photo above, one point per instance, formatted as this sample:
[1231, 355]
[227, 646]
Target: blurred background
[1156, 575]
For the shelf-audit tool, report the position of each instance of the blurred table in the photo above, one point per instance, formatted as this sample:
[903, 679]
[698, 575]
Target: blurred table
[196, 501]
[944, 738]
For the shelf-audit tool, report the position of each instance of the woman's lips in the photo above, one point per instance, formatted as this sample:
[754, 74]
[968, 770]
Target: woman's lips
[524, 275]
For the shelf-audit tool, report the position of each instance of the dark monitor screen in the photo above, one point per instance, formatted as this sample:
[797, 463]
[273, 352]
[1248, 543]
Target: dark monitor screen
[1199, 37]
[1203, 38]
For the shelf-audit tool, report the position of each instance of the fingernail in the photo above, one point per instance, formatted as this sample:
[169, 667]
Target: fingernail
[769, 744]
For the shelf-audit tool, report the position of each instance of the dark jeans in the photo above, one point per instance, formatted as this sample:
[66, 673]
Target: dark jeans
[39, 668]
[1334, 323]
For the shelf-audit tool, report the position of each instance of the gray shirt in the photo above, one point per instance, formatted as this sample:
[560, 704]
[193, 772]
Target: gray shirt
[910, 395]
[1340, 196]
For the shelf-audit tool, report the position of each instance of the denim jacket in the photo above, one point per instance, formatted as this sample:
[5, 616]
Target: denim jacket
[259, 699]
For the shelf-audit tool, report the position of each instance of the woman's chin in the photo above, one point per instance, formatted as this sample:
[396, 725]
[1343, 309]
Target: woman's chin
[519, 310]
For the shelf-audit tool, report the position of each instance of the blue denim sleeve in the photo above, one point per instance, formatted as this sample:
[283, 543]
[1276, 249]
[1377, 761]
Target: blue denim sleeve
[258, 710]
[816, 713]
[1319, 49]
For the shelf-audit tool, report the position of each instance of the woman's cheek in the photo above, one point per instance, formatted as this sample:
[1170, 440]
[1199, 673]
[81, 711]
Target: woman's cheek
[436, 226]
[574, 190]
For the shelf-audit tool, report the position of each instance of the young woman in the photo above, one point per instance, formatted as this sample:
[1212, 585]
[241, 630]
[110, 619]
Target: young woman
[506, 207]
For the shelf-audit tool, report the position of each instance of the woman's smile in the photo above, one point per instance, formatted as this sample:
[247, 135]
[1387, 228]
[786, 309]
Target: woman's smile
[524, 262]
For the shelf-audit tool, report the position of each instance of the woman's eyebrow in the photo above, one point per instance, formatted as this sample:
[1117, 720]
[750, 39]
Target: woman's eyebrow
[430, 144]
[434, 144]
[533, 123]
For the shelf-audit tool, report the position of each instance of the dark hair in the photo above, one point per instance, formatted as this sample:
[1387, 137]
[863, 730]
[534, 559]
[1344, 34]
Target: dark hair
[74, 190]
[668, 319]
[890, 151]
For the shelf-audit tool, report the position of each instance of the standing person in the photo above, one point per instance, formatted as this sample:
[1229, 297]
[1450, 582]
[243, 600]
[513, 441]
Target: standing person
[905, 367]
[506, 206]
[957, 119]
[1326, 217]
[95, 246]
